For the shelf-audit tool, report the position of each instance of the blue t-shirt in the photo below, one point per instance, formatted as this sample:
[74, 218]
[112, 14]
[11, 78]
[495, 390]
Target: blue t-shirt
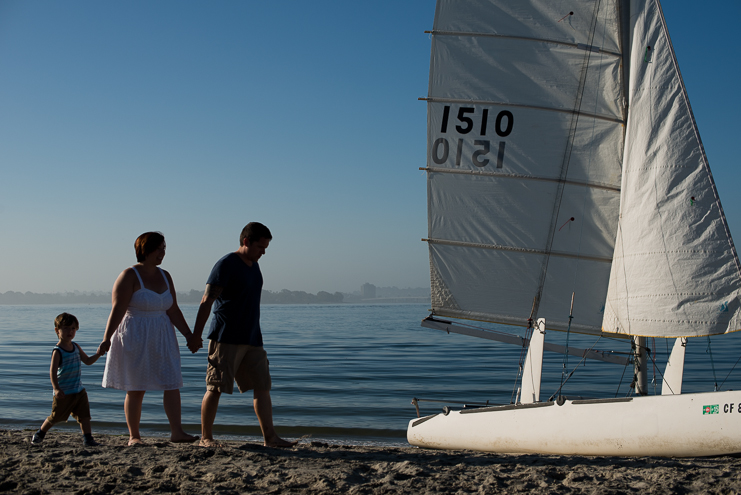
[236, 318]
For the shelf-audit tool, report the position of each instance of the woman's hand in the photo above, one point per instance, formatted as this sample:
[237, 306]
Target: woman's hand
[104, 347]
[194, 343]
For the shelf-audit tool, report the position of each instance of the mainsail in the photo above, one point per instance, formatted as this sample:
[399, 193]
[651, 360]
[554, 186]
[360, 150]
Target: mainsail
[534, 109]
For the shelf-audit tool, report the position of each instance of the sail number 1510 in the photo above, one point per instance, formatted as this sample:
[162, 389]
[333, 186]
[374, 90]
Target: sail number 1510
[469, 122]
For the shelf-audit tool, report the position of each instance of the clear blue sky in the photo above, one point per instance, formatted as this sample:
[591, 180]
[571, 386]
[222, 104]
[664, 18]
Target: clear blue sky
[194, 118]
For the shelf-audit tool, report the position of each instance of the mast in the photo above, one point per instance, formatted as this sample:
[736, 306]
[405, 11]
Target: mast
[640, 361]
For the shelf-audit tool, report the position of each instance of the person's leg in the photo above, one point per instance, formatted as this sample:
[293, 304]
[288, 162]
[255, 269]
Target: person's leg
[264, 411]
[81, 409]
[223, 360]
[209, 406]
[133, 411]
[171, 401]
[86, 427]
[87, 433]
[59, 412]
[38, 437]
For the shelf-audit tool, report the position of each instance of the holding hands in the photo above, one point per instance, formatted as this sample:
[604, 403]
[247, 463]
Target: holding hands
[194, 343]
[104, 347]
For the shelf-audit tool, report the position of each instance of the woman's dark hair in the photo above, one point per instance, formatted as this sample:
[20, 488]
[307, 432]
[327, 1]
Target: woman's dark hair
[147, 243]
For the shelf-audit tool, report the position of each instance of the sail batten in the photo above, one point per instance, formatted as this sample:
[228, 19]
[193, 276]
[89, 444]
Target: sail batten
[516, 249]
[522, 177]
[580, 46]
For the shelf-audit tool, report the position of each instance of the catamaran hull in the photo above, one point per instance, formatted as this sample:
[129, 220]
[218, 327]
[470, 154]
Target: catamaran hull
[688, 425]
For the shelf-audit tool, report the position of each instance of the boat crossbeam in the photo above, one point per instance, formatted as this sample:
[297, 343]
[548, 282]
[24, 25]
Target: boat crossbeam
[450, 327]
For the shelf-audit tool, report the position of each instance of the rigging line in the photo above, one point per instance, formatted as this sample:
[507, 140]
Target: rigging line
[523, 354]
[712, 364]
[589, 164]
[482, 173]
[566, 355]
[573, 371]
[620, 384]
[567, 157]
[607, 118]
[656, 367]
[653, 360]
[580, 46]
[729, 373]
[652, 356]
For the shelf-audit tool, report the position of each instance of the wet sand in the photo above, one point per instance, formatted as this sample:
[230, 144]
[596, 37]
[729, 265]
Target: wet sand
[62, 465]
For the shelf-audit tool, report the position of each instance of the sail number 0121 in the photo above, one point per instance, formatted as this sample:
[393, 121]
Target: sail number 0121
[482, 147]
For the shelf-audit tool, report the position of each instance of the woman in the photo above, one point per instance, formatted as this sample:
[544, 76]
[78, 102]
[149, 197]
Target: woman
[144, 353]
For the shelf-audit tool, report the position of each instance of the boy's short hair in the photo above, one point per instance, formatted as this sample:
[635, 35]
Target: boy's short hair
[147, 243]
[65, 320]
[253, 232]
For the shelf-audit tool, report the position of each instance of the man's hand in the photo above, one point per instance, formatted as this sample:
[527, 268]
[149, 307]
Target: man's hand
[194, 343]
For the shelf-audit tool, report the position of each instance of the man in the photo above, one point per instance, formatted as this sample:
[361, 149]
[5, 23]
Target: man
[235, 352]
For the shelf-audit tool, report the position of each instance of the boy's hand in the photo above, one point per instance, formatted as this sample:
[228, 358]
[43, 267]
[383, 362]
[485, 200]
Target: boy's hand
[104, 347]
[58, 393]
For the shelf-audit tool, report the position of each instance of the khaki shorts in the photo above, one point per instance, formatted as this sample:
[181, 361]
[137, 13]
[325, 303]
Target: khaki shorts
[75, 404]
[246, 364]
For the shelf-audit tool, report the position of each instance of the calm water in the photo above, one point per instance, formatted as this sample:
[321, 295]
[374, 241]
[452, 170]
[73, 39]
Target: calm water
[342, 372]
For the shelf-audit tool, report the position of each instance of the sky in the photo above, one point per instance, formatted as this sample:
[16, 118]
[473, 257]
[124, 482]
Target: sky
[193, 118]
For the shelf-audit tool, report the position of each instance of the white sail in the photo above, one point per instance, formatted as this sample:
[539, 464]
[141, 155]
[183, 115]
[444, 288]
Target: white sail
[525, 144]
[564, 157]
[675, 271]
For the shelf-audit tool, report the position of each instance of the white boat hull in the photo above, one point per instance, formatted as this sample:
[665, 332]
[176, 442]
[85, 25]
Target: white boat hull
[689, 425]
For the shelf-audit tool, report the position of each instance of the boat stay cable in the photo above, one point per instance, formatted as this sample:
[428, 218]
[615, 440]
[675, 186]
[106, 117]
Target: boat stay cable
[712, 365]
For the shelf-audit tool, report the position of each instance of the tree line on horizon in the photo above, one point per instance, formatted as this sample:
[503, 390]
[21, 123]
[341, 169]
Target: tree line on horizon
[193, 296]
[284, 296]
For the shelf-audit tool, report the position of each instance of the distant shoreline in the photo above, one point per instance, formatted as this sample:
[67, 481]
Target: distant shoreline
[390, 295]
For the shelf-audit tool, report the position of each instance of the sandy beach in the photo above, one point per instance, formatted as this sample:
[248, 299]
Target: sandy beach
[62, 465]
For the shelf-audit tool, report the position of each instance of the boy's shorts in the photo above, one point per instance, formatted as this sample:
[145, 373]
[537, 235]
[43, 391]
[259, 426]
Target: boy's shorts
[246, 364]
[75, 404]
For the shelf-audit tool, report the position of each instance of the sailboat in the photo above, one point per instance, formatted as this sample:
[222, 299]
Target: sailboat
[568, 190]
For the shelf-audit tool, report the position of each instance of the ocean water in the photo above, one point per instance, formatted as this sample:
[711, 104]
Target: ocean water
[345, 373]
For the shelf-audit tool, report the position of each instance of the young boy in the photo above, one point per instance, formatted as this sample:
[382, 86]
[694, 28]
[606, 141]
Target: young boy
[69, 395]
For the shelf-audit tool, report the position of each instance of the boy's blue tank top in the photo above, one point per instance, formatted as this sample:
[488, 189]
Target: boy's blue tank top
[68, 373]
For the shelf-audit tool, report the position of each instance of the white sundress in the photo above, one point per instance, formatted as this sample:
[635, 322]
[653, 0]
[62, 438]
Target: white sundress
[144, 352]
